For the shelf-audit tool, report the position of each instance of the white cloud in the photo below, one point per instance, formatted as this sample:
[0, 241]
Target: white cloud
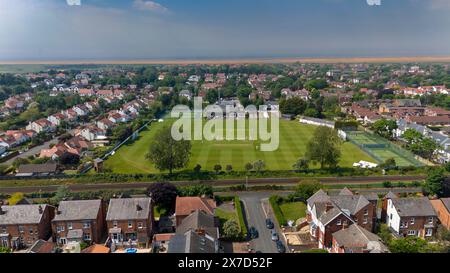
[439, 4]
[74, 2]
[149, 6]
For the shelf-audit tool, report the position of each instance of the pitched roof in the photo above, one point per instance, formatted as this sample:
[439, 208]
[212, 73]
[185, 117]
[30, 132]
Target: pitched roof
[187, 205]
[330, 215]
[358, 237]
[21, 214]
[78, 210]
[319, 196]
[446, 202]
[41, 246]
[99, 249]
[413, 207]
[352, 204]
[199, 220]
[38, 168]
[390, 195]
[129, 208]
[345, 191]
[191, 242]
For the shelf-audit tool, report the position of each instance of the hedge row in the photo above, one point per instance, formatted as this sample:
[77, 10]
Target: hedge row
[240, 213]
[274, 200]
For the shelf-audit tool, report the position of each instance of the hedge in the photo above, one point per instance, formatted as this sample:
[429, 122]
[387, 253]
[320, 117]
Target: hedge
[273, 200]
[240, 213]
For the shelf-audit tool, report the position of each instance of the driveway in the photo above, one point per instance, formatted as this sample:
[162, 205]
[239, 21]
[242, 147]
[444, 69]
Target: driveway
[256, 217]
[32, 151]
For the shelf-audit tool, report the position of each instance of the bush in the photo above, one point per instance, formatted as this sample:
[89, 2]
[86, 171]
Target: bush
[387, 184]
[240, 213]
[231, 230]
[275, 201]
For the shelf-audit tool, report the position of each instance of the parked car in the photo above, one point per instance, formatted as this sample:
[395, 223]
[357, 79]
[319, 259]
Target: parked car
[253, 232]
[280, 247]
[269, 224]
[274, 236]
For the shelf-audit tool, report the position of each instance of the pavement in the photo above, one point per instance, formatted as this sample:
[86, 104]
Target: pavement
[256, 217]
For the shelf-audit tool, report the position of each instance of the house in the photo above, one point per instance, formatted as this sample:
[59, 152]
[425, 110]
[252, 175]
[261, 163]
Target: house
[186, 94]
[430, 120]
[57, 152]
[117, 117]
[436, 112]
[81, 110]
[22, 225]
[411, 217]
[92, 133]
[105, 124]
[86, 92]
[37, 169]
[80, 221]
[56, 119]
[130, 221]
[41, 126]
[197, 233]
[104, 93]
[328, 214]
[185, 206]
[356, 239]
[317, 122]
[20, 136]
[442, 208]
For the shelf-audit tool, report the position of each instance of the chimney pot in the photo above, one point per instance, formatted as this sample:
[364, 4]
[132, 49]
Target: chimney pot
[40, 209]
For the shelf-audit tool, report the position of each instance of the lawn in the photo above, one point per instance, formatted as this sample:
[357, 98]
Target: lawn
[293, 211]
[224, 215]
[294, 137]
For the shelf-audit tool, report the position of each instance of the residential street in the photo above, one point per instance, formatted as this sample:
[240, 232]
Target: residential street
[32, 151]
[256, 217]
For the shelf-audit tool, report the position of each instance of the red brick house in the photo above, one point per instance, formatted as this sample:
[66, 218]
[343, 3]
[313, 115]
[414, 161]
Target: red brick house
[82, 221]
[442, 208]
[130, 221]
[22, 225]
[356, 239]
[185, 206]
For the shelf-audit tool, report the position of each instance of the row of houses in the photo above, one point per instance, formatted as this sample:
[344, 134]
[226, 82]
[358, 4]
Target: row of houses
[123, 223]
[345, 223]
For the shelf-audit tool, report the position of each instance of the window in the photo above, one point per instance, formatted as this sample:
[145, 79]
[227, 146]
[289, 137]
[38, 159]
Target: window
[30, 230]
[411, 232]
[390, 217]
[366, 212]
[69, 226]
[61, 228]
[430, 220]
[87, 237]
[412, 221]
[86, 225]
[3, 229]
[339, 222]
[366, 220]
[115, 224]
[403, 224]
[130, 224]
[429, 232]
[345, 222]
[140, 226]
[21, 229]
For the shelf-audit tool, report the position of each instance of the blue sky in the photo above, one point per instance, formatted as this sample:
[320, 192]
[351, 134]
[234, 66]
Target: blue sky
[177, 29]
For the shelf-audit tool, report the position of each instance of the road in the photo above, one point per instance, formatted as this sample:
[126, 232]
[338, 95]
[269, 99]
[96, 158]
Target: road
[214, 183]
[256, 217]
[32, 151]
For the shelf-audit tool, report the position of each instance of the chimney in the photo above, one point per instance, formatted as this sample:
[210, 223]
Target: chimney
[58, 212]
[138, 207]
[328, 207]
[41, 210]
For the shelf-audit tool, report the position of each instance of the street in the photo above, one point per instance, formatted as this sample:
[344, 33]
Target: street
[256, 217]
[32, 151]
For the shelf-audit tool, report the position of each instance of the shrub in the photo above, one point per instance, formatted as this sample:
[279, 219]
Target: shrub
[274, 201]
[240, 213]
[231, 230]
[387, 184]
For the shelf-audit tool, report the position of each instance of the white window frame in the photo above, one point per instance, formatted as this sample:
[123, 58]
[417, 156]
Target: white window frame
[86, 225]
[412, 221]
[339, 222]
[140, 225]
[366, 212]
[115, 224]
[411, 233]
[429, 232]
[87, 237]
[430, 220]
[69, 226]
[365, 220]
[130, 224]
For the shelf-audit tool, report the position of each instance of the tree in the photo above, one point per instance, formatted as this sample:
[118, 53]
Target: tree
[69, 159]
[229, 168]
[5, 250]
[317, 84]
[385, 128]
[389, 164]
[197, 168]
[259, 166]
[231, 230]
[217, 168]
[212, 96]
[121, 132]
[385, 234]
[62, 193]
[15, 198]
[324, 147]
[293, 106]
[168, 154]
[249, 166]
[412, 244]
[196, 190]
[412, 136]
[301, 164]
[434, 184]
[307, 188]
[424, 147]
[163, 194]
[312, 112]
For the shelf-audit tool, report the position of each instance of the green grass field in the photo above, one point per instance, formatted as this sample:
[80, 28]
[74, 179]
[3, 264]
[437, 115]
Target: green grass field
[294, 137]
[383, 154]
[293, 211]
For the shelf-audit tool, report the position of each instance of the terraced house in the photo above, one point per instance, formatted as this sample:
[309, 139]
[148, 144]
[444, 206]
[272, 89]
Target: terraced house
[130, 222]
[79, 221]
[22, 225]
